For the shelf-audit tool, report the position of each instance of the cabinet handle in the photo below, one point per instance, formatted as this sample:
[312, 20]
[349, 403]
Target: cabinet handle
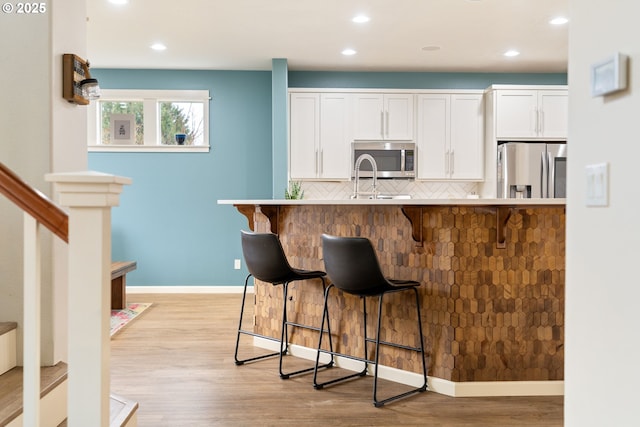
[540, 122]
[321, 161]
[382, 123]
[534, 121]
[387, 123]
[452, 159]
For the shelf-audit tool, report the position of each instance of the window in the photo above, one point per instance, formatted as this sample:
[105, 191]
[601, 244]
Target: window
[149, 120]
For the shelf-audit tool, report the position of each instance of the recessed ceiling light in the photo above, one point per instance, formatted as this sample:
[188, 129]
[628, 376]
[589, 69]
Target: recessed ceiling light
[511, 53]
[361, 19]
[431, 48]
[560, 20]
[118, 1]
[349, 52]
[158, 46]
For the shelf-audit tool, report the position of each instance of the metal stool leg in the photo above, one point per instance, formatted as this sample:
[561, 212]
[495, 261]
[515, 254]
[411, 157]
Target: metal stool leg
[378, 403]
[325, 315]
[422, 354]
[241, 331]
[284, 341]
[366, 340]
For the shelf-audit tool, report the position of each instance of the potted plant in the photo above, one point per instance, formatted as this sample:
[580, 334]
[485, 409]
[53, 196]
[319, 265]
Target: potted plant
[295, 191]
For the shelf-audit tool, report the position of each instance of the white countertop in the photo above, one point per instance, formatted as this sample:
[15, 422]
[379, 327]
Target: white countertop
[401, 202]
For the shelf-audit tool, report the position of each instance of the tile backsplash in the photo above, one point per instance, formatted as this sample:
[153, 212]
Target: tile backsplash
[324, 190]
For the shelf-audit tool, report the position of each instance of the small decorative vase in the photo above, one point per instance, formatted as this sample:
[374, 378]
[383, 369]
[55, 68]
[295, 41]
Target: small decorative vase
[180, 138]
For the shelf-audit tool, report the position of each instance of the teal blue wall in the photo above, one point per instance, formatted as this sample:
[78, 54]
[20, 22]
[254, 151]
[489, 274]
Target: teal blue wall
[313, 79]
[280, 126]
[168, 219]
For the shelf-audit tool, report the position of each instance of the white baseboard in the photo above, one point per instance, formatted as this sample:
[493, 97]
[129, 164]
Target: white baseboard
[438, 385]
[187, 289]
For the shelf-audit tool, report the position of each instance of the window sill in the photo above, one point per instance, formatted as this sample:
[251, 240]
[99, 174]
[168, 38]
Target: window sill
[149, 148]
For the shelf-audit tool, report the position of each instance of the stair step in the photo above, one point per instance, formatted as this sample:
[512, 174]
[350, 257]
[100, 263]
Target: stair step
[7, 327]
[7, 346]
[11, 389]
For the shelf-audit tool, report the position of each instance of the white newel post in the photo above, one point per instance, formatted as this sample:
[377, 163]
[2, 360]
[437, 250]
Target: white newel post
[89, 197]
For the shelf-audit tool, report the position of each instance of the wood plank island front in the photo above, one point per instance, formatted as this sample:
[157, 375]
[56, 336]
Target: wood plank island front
[492, 274]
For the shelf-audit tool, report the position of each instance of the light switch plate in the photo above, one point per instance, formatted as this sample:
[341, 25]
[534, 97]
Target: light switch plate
[597, 184]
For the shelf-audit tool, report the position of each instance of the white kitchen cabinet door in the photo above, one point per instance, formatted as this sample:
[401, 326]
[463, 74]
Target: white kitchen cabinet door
[304, 135]
[398, 109]
[335, 136]
[433, 136]
[450, 137]
[554, 113]
[368, 116]
[466, 155]
[320, 136]
[383, 116]
[517, 114]
[539, 114]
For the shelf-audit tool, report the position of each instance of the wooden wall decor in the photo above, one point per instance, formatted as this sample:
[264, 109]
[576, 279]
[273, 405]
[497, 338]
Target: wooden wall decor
[74, 70]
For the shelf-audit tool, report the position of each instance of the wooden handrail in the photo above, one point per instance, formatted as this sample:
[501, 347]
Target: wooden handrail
[34, 203]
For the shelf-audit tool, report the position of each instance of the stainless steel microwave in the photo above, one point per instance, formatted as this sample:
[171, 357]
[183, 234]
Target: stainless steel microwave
[394, 159]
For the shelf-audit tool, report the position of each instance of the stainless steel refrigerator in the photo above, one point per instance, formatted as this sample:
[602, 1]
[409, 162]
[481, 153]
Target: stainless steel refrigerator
[532, 170]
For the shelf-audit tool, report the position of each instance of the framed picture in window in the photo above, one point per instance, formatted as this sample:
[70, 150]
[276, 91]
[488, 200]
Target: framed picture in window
[123, 129]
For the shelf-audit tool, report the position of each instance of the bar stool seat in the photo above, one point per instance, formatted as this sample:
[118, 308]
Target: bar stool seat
[266, 261]
[352, 266]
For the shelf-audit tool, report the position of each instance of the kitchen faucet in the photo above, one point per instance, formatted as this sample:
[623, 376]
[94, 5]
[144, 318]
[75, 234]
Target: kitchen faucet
[374, 166]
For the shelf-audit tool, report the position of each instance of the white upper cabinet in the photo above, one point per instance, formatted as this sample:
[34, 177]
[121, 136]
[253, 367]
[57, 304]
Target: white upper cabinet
[531, 114]
[319, 136]
[450, 141]
[304, 135]
[335, 136]
[383, 116]
[553, 108]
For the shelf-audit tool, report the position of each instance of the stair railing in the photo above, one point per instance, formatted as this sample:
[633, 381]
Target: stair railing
[89, 197]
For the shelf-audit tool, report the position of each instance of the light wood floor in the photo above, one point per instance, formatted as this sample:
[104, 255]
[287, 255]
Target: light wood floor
[177, 362]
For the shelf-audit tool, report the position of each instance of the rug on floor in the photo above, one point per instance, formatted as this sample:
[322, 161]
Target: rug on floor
[121, 318]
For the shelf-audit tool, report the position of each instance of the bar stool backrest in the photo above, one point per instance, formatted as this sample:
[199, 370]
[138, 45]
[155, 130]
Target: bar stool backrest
[265, 257]
[352, 265]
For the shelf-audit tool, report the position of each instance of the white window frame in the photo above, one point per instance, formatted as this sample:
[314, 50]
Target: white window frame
[151, 101]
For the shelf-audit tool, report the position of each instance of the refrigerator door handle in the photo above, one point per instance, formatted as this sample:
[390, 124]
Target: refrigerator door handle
[544, 173]
[551, 176]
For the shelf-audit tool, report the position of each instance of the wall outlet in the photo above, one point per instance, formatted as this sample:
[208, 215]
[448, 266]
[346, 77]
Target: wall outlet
[236, 264]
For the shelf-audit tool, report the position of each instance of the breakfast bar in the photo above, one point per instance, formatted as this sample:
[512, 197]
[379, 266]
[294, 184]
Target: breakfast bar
[492, 275]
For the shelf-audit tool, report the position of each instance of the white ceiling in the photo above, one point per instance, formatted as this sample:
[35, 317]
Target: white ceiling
[247, 34]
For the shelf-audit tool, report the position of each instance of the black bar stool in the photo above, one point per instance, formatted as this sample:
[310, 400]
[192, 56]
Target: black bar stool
[352, 266]
[266, 261]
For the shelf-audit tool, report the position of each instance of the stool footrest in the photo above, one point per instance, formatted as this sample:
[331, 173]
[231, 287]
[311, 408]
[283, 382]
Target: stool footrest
[264, 356]
[396, 345]
[379, 403]
[301, 371]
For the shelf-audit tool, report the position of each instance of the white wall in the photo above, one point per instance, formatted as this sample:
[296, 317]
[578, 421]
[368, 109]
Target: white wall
[25, 133]
[603, 250]
[68, 146]
[39, 133]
